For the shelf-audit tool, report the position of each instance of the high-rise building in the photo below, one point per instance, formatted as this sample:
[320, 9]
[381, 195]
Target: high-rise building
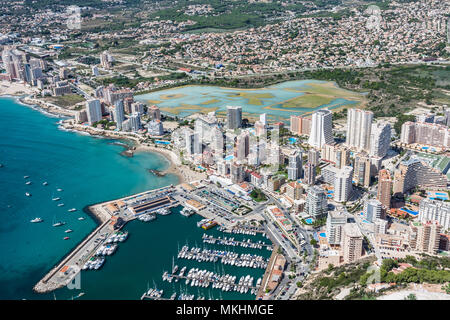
[263, 119]
[154, 112]
[372, 210]
[242, 146]
[380, 226]
[310, 174]
[430, 134]
[94, 111]
[119, 115]
[234, 117]
[362, 170]
[384, 188]
[294, 190]
[155, 128]
[189, 140]
[260, 129]
[106, 60]
[137, 107]
[414, 173]
[135, 121]
[316, 202]
[335, 223]
[294, 168]
[425, 236]
[81, 116]
[300, 125]
[434, 210]
[338, 155]
[359, 124]
[314, 157]
[352, 243]
[380, 139]
[236, 173]
[321, 128]
[343, 184]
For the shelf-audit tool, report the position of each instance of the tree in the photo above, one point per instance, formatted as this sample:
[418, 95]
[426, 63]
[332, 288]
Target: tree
[411, 296]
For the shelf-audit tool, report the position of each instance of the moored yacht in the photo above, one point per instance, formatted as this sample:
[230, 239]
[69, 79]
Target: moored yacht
[36, 220]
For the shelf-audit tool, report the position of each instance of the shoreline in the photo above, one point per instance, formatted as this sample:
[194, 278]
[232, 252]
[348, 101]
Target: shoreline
[51, 110]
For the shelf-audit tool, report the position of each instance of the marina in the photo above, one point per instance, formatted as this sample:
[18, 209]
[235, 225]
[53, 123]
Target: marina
[245, 243]
[222, 256]
[226, 282]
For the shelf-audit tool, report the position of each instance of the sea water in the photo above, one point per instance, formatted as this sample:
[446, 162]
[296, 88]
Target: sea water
[88, 170]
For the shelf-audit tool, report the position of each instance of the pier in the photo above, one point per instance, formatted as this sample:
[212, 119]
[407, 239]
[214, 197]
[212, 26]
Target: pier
[112, 216]
[205, 278]
[232, 242]
[226, 257]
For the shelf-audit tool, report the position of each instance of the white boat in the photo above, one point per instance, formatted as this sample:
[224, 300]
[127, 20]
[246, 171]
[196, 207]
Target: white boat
[59, 190]
[72, 210]
[56, 199]
[36, 220]
[26, 177]
[60, 204]
[80, 218]
[68, 231]
[28, 194]
[45, 183]
[58, 224]
[28, 182]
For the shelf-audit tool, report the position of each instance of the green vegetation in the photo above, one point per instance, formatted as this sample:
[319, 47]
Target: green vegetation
[106, 124]
[258, 195]
[65, 101]
[428, 269]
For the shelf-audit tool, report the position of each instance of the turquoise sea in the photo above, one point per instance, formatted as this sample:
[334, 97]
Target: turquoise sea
[89, 170]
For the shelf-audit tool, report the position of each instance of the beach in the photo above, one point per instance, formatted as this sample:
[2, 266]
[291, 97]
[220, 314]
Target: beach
[14, 89]
[183, 172]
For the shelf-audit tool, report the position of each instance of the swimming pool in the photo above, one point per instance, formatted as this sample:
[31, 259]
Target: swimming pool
[413, 213]
[323, 235]
[162, 142]
[309, 220]
[230, 157]
[292, 140]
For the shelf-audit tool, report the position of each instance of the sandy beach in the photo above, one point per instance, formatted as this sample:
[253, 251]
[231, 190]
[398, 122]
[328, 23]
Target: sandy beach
[184, 173]
[14, 89]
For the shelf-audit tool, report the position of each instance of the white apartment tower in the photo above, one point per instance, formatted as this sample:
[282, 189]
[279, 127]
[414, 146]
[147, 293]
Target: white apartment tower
[359, 124]
[343, 184]
[380, 139]
[321, 129]
[94, 111]
[335, 222]
[294, 168]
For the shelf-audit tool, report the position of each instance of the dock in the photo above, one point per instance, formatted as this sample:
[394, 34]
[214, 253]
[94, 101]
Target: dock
[111, 216]
[233, 242]
[261, 290]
